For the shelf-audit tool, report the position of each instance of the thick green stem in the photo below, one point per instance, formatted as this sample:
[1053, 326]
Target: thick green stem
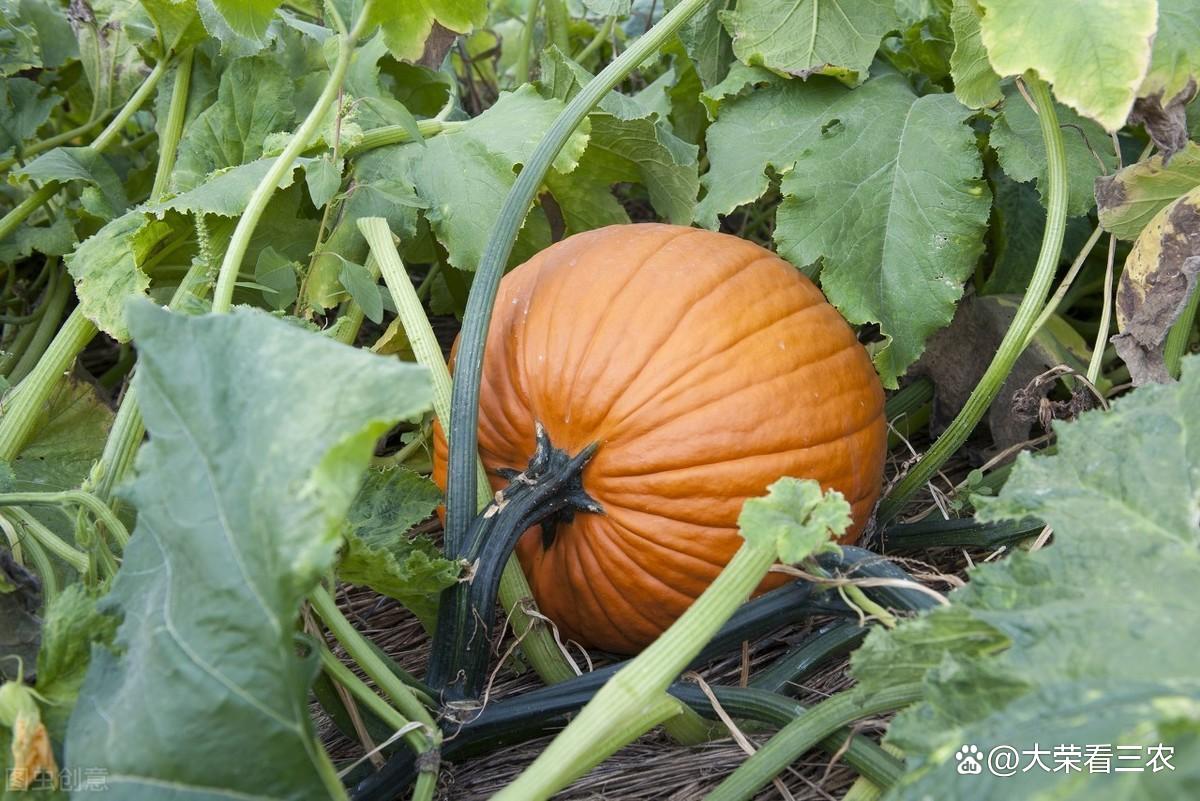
[462, 482]
[1017, 335]
[240, 241]
[168, 143]
[23, 406]
[79, 498]
[398, 134]
[1180, 334]
[515, 594]
[51, 142]
[366, 657]
[598, 40]
[51, 315]
[525, 53]
[1096, 363]
[805, 732]
[558, 23]
[634, 699]
[50, 541]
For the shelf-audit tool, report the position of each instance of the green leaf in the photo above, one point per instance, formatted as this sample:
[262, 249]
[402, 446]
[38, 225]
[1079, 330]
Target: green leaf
[1130, 198]
[18, 40]
[323, 177]
[107, 269]
[240, 495]
[795, 519]
[72, 625]
[406, 24]
[1175, 57]
[55, 239]
[463, 177]
[627, 143]
[1051, 647]
[177, 23]
[379, 552]
[278, 274]
[810, 37]
[79, 164]
[226, 192]
[887, 194]
[609, 8]
[55, 40]
[254, 100]
[1094, 52]
[363, 287]
[976, 84]
[707, 42]
[924, 44]
[23, 109]
[248, 18]
[1018, 142]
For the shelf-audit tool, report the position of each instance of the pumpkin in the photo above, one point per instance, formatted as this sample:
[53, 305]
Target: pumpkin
[705, 367]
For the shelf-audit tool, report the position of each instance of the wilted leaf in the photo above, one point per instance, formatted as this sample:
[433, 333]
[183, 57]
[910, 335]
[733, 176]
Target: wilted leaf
[795, 519]
[810, 37]
[881, 186]
[1094, 52]
[1160, 274]
[1174, 59]
[1019, 657]
[1130, 198]
[382, 555]
[240, 493]
[1166, 123]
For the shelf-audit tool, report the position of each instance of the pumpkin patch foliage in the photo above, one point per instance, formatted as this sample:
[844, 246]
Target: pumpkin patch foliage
[517, 399]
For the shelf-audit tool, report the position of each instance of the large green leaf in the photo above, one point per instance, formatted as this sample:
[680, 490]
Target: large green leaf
[24, 107]
[807, 37]
[1018, 141]
[464, 177]
[250, 467]
[881, 186]
[79, 164]
[254, 100]
[627, 143]
[382, 555]
[1094, 52]
[248, 18]
[1090, 640]
[975, 82]
[1130, 198]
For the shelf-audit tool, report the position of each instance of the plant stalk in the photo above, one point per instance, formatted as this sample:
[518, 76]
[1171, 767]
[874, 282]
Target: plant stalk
[515, 594]
[227, 276]
[1017, 335]
[1180, 335]
[462, 482]
[805, 732]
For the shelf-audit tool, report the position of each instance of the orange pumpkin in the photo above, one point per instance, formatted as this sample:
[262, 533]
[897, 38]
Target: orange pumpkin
[705, 367]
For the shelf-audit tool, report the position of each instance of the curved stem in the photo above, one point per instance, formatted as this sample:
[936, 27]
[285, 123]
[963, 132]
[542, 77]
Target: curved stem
[51, 142]
[105, 138]
[597, 41]
[1096, 363]
[168, 143]
[634, 699]
[23, 406]
[805, 732]
[79, 498]
[536, 639]
[1180, 334]
[1015, 338]
[1065, 285]
[462, 640]
[787, 671]
[51, 309]
[461, 484]
[51, 541]
[240, 241]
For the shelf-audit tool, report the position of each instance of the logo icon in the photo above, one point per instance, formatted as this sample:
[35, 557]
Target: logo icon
[968, 760]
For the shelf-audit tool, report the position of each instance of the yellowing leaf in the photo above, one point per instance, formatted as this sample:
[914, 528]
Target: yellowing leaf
[1094, 52]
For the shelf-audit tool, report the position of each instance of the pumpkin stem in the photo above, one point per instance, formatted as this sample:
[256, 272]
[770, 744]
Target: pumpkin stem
[549, 491]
